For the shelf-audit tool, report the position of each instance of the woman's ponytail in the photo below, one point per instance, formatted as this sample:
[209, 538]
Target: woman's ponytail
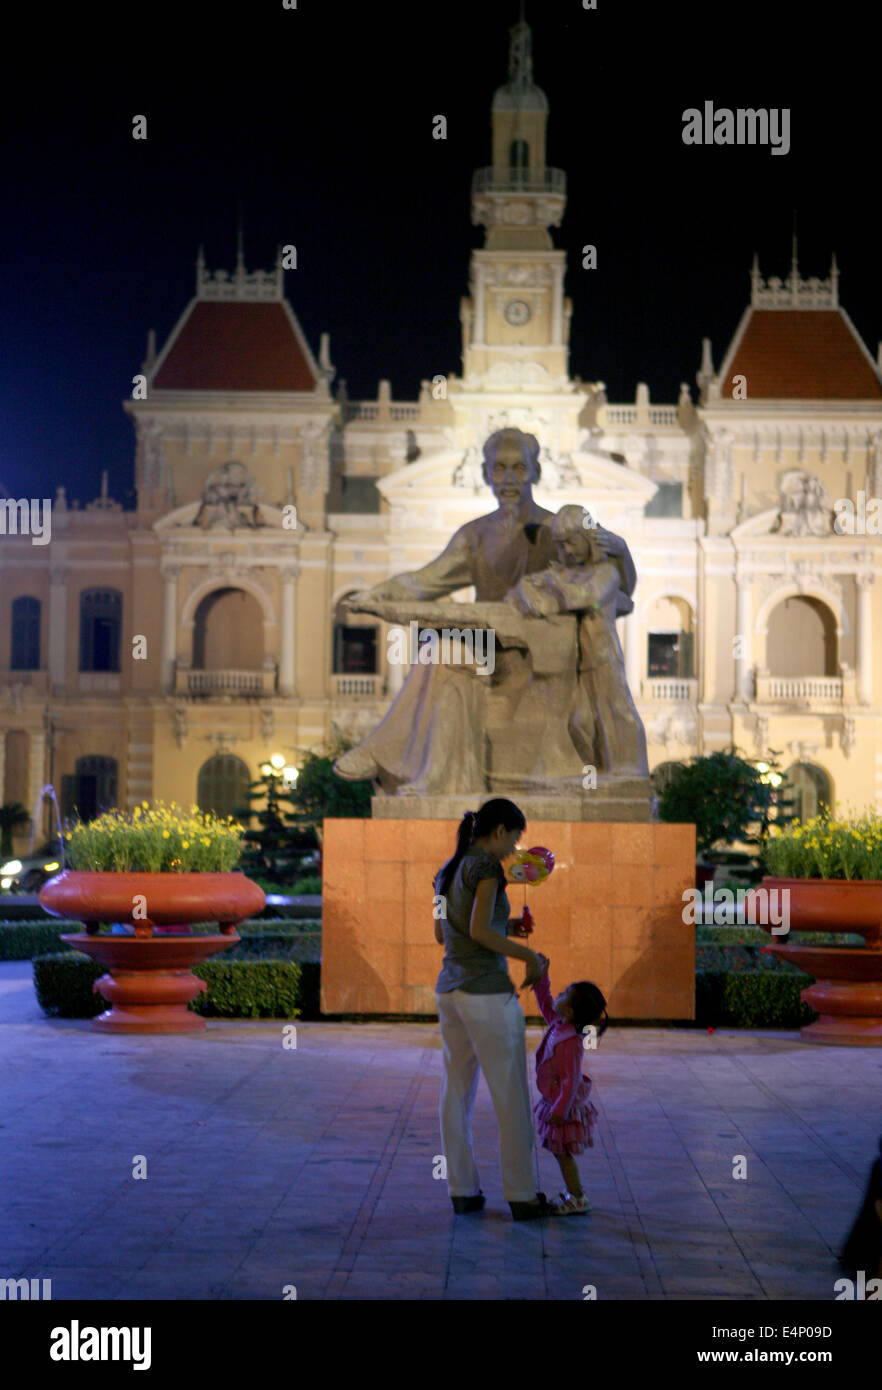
[464, 835]
[497, 811]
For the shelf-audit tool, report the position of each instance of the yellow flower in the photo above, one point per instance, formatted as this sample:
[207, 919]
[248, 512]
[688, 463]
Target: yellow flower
[165, 834]
[185, 844]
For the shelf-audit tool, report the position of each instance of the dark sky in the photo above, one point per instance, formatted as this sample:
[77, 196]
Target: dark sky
[319, 120]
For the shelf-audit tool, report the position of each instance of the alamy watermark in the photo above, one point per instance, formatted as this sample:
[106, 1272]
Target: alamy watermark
[723, 907]
[744, 126]
[449, 646]
[860, 518]
[29, 516]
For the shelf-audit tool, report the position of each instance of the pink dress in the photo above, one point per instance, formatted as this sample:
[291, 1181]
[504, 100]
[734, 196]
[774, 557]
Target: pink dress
[563, 1089]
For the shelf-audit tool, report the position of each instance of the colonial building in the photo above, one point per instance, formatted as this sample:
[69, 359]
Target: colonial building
[168, 650]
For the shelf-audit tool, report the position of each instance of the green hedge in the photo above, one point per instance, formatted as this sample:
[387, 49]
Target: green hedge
[748, 995]
[249, 989]
[24, 940]
[237, 988]
[756, 936]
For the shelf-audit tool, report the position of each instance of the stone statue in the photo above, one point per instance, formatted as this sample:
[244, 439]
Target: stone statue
[229, 499]
[455, 728]
[805, 508]
[604, 724]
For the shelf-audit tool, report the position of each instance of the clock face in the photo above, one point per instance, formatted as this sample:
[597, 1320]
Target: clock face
[517, 312]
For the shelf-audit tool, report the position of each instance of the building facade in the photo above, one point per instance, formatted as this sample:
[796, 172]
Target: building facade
[166, 651]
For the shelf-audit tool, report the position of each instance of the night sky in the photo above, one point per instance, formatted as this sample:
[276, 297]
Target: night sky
[319, 120]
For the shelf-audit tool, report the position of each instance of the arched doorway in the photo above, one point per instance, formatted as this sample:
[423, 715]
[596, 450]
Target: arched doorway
[801, 638]
[222, 784]
[228, 632]
[810, 789]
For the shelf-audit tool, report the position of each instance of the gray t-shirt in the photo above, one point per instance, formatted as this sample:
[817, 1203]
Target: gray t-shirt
[468, 965]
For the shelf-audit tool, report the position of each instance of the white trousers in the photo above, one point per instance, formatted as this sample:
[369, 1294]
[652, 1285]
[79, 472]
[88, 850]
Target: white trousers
[486, 1032]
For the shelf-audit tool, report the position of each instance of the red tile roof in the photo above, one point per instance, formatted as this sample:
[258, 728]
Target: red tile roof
[236, 347]
[801, 354]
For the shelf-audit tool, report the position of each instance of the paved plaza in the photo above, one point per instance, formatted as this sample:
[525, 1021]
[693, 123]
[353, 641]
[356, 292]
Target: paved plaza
[270, 1166]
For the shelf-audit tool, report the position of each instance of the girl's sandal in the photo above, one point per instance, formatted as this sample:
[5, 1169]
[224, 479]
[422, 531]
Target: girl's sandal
[567, 1205]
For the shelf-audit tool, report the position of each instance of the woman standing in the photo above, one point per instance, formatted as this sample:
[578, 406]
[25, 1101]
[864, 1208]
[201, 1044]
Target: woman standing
[482, 1023]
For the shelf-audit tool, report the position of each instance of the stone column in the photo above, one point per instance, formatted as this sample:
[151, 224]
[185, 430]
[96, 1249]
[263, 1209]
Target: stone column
[864, 638]
[287, 632]
[479, 304]
[556, 304]
[3, 797]
[36, 775]
[633, 638]
[57, 641]
[744, 660]
[169, 625]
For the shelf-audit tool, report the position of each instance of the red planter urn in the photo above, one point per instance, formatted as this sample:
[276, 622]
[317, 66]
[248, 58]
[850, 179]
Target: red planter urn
[847, 993]
[149, 981]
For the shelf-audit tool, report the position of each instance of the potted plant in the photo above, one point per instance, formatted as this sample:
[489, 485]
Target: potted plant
[153, 866]
[828, 877]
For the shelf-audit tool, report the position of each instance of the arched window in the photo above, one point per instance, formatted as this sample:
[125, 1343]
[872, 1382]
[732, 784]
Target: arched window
[355, 646]
[518, 154]
[25, 655]
[810, 790]
[223, 782]
[91, 789]
[671, 646]
[801, 639]
[100, 628]
[228, 632]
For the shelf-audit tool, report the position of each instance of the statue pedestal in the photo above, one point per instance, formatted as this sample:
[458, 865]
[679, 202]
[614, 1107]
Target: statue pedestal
[611, 912]
[612, 800]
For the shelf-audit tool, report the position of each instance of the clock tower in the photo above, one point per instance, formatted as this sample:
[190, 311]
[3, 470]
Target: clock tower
[516, 318]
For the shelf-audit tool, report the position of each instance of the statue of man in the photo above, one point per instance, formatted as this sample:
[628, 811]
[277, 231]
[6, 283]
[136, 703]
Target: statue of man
[431, 740]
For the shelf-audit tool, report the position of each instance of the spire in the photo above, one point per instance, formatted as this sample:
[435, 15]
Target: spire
[705, 374]
[520, 55]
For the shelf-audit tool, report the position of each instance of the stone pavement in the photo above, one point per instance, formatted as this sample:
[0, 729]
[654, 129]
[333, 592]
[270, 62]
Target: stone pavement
[269, 1167]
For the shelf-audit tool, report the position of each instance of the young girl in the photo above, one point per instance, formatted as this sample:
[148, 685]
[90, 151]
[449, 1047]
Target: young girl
[564, 1114]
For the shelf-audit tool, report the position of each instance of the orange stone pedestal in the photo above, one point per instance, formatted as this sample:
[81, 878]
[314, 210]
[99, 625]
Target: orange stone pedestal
[611, 912]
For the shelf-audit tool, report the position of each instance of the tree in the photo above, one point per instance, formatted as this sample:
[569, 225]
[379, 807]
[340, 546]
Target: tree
[12, 814]
[320, 793]
[289, 814]
[726, 797]
[272, 848]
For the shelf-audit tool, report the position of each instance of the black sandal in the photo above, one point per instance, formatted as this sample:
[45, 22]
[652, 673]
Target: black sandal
[466, 1204]
[531, 1211]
